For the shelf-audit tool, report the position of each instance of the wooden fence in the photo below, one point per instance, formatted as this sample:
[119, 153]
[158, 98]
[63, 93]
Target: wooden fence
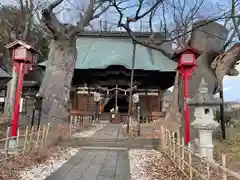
[27, 138]
[77, 120]
[74, 124]
[191, 164]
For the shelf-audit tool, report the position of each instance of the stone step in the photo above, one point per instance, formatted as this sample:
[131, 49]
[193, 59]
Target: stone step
[103, 148]
[103, 118]
[127, 143]
[96, 139]
[109, 144]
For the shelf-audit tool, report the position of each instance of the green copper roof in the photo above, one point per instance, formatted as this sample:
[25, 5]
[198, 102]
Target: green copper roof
[101, 52]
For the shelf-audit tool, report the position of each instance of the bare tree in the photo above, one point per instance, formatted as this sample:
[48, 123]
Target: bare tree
[56, 84]
[215, 61]
[57, 80]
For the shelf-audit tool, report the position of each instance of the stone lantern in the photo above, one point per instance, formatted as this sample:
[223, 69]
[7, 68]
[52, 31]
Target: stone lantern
[204, 118]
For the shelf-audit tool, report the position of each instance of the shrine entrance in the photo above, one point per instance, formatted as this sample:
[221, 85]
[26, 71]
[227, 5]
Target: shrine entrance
[122, 103]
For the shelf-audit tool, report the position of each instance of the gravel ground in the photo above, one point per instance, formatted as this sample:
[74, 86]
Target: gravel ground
[42, 171]
[152, 165]
[10, 170]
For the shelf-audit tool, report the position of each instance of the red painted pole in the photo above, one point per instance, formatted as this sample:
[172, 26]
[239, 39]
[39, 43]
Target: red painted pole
[186, 112]
[17, 101]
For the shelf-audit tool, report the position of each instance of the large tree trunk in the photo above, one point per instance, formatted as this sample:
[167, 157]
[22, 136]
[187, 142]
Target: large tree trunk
[10, 97]
[173, 116]
[56, 85]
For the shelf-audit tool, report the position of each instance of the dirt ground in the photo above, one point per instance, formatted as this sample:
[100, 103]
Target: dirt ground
[230, 147]
[161, 167]
[3, 130]
[152, 130]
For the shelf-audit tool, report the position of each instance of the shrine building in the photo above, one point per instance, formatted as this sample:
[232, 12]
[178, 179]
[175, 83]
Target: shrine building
[104, 64]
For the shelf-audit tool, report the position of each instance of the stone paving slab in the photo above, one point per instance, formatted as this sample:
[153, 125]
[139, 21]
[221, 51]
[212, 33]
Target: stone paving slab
[95, 165]
[110, 131]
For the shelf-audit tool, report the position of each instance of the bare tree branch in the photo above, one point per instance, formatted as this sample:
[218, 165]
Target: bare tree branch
[50, 20]
[137, 16]
[84, 20]
[129, 20]
[54, 4]
[225, 62]
[235, 23]
[88, 16]
[154, 44]
[102, 11]
[29, 20]
[21, 6]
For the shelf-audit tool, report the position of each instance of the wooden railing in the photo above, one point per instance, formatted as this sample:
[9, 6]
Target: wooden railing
[191, 164]
[27, 138]
[32, 138]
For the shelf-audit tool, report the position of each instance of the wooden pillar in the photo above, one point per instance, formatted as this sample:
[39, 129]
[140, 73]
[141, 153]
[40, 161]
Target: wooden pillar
[147, 106]
[79, 101]
[74, 98]
[97, 111]
[88, 98]
[160, 97]
[147, 102]
[102, 107]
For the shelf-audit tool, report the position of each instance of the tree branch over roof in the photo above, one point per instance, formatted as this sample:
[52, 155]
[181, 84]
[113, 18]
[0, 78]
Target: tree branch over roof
[147, 43]
[151, 42]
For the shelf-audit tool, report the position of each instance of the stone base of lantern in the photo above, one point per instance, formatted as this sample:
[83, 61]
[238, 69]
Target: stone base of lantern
[205, 144]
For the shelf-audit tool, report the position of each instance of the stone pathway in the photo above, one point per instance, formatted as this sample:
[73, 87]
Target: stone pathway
[97, 164]
[111, 131]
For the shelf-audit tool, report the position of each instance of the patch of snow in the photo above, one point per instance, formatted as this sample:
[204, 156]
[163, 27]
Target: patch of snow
[42, 171]
[137, 160]
[89, 133]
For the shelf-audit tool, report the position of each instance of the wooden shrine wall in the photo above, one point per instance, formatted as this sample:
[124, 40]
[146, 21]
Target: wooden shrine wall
[150, 103]
[85, 103]
[82, 102]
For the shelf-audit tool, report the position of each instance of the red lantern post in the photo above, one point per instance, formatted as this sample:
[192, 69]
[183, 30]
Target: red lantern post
[23, 56]
[186, 65]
